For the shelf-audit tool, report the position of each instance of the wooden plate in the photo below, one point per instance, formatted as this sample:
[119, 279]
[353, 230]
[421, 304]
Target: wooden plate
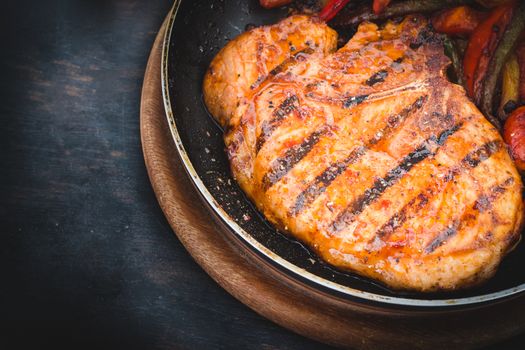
[286, 301]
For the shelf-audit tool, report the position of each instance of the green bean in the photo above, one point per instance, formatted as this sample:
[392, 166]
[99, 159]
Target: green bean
[502, 53]
[396, 9]
[452, 52]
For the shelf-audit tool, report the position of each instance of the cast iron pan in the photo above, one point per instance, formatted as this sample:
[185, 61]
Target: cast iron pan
[197, 30]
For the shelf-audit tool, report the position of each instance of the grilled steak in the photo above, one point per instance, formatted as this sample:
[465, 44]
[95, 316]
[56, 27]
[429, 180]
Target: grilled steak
[368, 154]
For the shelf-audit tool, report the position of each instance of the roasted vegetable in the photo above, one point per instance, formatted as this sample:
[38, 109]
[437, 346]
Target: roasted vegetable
[461, 45]
[481, 46]
[270, 4]
[492, 3]
[520, 51]
[453, 53]
[396, 9]
[461, 20]
[509, 86]
[507, 44]
[331, 9]
[514, 135]
[379, 5]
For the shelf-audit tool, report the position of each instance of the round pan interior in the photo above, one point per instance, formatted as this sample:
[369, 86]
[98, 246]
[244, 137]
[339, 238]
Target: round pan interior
[196, 32]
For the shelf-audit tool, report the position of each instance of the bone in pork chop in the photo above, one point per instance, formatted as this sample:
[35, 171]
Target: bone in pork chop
[368, 154]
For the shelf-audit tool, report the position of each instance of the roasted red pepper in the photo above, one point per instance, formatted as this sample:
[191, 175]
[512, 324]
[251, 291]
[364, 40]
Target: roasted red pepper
[331, 9]
[379, 5]
[270, 4]
[461, 20]
[481, 46]
[514, 135]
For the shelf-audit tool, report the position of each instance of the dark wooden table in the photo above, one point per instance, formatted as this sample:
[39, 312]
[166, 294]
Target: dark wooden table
[86, 257]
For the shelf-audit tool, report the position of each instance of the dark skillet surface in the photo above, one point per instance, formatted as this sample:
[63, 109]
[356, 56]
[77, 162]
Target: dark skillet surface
[200, 30]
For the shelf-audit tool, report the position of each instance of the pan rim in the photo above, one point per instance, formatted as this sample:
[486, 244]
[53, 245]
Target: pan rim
[296, 272]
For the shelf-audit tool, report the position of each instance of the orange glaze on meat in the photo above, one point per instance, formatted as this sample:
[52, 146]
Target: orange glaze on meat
[367, 154]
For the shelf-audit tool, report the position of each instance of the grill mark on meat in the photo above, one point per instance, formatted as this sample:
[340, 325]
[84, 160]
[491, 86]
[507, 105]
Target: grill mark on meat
[483, 203]
[399, 60]
[268, 126]
[450, 231]
[399, 218]
[428, 148]
[382, 74]
[417, 203]
[299, 56]
[378, 77]
[354, 101]
[322, 181]
[482, 153]
[293, 155]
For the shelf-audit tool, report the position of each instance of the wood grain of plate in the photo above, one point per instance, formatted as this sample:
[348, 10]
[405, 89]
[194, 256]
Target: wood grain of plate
[286, 301]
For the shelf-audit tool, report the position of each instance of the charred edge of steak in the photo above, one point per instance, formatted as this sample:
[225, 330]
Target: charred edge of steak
[322, 181]
[421, 153]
